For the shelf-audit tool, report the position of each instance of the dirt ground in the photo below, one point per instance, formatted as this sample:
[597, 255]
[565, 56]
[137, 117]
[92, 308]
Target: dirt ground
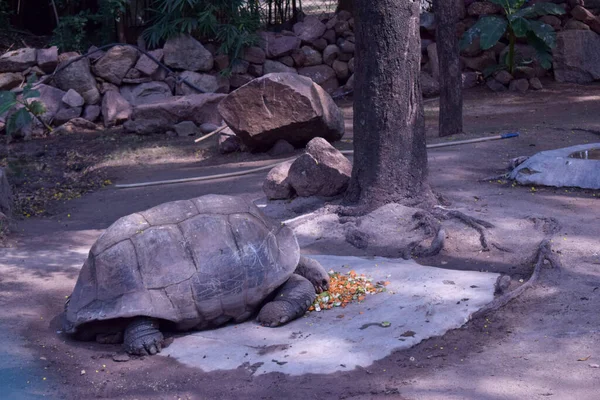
[529, 349]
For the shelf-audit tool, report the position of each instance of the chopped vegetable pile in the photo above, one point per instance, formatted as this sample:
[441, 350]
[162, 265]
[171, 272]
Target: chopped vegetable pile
[346, 288]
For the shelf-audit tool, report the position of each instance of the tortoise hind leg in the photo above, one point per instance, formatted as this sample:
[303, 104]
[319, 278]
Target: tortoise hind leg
[290, 302]
[142, 337]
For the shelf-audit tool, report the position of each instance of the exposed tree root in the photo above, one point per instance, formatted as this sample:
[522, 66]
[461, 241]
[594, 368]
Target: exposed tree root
[544, 253]
[477, 224]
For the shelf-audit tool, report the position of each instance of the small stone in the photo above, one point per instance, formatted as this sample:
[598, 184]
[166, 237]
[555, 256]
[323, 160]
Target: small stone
[504, 77]
[207, 127]
[91, 112]
[66, 114]
[73, 99]
[10, 80]
[519, 85]
[495, 86]
[47, 59]
[186, 128]
[281, 147]
[535, 84]
[123, 357]
[594, 365]
[229, 142]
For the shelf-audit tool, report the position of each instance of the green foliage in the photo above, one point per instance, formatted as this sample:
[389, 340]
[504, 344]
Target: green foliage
[230, 23]
[517, 23]
[77, 32]
[29, 109]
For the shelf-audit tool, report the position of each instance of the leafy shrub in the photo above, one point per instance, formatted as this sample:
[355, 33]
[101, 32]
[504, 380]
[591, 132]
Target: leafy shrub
[517, 23]
[230, 23]
[30, 109]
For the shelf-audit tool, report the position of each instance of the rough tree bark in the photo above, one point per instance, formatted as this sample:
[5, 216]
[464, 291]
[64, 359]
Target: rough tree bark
[390, 157]
[451, 99]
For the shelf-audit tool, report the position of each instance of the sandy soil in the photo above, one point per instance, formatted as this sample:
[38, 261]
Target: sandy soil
[526, 350]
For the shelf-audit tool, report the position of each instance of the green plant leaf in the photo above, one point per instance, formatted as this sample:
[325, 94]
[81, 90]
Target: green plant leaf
[520, 27]
[492, 29]
[18, 121]
[28, 94]
[489, 29]
[538, 10]
[544, 32]
[37, 107]
[542, 51]
[7, 101]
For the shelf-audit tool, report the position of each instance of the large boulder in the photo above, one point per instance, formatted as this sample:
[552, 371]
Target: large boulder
[18, 60]
[576, 57]
[77, 76]
[185, 52]
[115, 109]
[160, 117]
[146, 93]
[277, 45]
[310, 29]
[321, 171]
[277, 186]
[115, 64]
[282, 106]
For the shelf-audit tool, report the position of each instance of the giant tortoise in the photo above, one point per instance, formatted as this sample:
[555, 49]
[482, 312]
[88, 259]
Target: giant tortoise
[190, 264]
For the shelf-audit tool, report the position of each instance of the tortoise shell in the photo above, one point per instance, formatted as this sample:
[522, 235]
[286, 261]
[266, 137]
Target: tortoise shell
[197, 263]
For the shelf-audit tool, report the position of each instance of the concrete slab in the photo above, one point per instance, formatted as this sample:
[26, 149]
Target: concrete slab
[420, 302]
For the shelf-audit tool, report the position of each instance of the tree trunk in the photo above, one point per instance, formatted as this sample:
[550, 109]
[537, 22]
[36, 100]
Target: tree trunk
[451, 99]
[390, 157]
[346, 5]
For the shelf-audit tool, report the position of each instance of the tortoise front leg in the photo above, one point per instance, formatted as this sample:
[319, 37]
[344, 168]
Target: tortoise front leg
[142, 337]
[290, 302]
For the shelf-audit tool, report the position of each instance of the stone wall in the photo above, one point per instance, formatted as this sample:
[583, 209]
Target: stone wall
[120, 85]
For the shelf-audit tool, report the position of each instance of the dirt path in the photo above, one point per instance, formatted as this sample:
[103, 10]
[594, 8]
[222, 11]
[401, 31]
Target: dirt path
[527, 350]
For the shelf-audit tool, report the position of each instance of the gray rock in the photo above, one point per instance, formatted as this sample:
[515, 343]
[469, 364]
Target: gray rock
[299, 57]
[519, 85]
[429, 86]
[330, 54]
[18, 60]
[185, 52]
[321, 171]
[341, 70]
[115, 109]
[160, 117]
[573, 24]
[287, 60]
[556, 168]
[310, 29]
[256, 70]
[313, 57]
[91, 112]
[73, 99]
[535, 84]
[281, 106]
[495, 86]
[277, 45]
[206, 82]
[241, 67]
[115, 64]
[77, 76]
[322, 75]
[146, 65]
[277, 186]
[330, 36]
[504, 77]
[281, 147]
[320, 44]
[254, 55]
[93, 54]
[469, 79]
[47, 59]
[240, 80]
[271, 67]
[481, 62]
[229, 142]
[208, 128]
[186, 128]
[346, 46]
[66, 114]
[576, 57]
[6, 197]
[10, 80]
[146, 93]
[52, 99]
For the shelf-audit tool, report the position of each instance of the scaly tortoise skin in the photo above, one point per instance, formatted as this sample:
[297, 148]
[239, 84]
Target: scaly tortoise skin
[190, 264]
